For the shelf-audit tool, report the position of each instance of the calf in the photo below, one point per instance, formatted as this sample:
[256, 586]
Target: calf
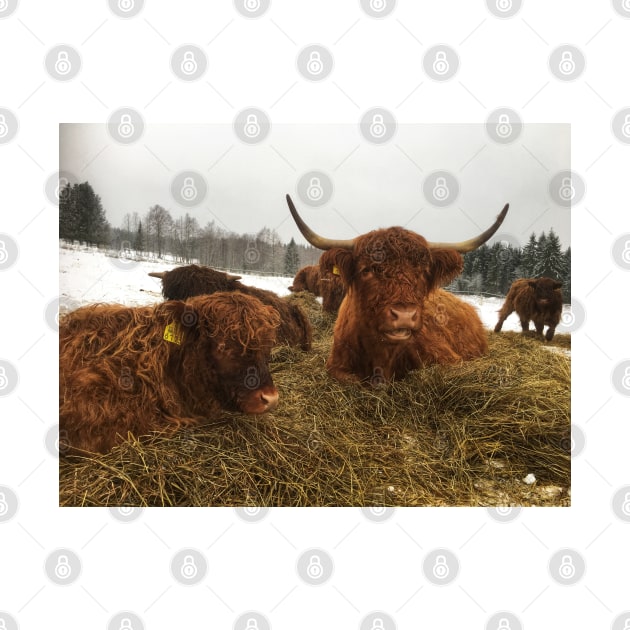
[190, 280]
[155, 368]
[535, 299]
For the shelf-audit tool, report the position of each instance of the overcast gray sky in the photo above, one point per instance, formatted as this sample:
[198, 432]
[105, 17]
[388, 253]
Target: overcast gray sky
[373, 185]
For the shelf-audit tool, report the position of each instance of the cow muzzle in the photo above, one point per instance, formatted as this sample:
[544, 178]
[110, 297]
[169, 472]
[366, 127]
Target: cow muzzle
[260, 400]
[400, 322]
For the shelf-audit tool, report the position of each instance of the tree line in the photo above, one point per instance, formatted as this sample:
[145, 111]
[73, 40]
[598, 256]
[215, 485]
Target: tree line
[490, 269]
[157, 233]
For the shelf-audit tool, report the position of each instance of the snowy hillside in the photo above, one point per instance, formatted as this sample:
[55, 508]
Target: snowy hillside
[87, 276]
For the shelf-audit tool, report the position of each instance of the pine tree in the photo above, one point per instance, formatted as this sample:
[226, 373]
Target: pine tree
[81, 215]
[291, 259]
[138, 243]
[566, 278]
[68, 219]
[528, 256]
[550, 262]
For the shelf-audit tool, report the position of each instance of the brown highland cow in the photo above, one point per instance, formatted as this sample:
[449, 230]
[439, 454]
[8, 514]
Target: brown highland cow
[535, 299]
[190, 280]
[155, 368]
[394, 317]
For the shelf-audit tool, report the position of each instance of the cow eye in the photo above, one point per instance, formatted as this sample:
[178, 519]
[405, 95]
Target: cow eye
[366, 271]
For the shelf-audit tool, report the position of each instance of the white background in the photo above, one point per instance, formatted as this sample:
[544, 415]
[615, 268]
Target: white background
[377, 565]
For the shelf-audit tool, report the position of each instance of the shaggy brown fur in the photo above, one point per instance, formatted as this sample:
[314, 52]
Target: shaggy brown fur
[118, 374]
[331, 284]
[307, 279]
[394, 317]
[535, 299]
[190, 280]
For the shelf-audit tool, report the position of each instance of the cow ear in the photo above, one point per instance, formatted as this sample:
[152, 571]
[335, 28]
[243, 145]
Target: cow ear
[557, 285]
[446, 265]
[339, 262]
[181, 313]
[532, 284]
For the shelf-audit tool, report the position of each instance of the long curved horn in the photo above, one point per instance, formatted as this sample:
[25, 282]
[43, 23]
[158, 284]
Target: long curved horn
[315, 239]
[473, 243]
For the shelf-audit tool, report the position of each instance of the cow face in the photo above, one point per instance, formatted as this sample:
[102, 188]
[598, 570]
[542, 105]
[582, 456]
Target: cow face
[387, 277]
[227, 340]
[544, 290]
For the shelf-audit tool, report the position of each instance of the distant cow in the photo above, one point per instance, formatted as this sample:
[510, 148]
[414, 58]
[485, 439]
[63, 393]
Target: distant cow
[155, 368]
[307, 279]
[535, 299]
[394, 317]
[331, 284]
[190, 280]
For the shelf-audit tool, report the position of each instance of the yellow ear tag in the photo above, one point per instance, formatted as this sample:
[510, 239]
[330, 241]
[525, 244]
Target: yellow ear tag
[173, 333]
[335, 270]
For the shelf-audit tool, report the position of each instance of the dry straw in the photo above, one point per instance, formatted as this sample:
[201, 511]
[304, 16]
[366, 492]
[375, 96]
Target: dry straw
[444, 436]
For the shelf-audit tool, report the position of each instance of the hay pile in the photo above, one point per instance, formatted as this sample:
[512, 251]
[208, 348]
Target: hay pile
[463, 435]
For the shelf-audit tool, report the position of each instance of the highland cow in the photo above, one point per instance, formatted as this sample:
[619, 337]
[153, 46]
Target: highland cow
[535, 299]
[332, 288]
[394, 317]
[136, 370]
[190, 280]
[307, 279]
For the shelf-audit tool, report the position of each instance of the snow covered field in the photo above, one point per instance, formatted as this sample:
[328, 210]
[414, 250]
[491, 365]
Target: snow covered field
[87, 276]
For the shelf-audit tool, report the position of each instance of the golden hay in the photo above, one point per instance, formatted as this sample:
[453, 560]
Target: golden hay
[446, 435]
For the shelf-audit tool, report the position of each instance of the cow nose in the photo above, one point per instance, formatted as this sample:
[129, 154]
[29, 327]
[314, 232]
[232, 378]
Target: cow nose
[404, 317]
[269, 399]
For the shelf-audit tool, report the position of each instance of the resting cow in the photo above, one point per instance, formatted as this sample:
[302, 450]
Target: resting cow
[190, 280]
[331, 284]
[535, 299]
[394, 317]
[155, 368]
[307, 279]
